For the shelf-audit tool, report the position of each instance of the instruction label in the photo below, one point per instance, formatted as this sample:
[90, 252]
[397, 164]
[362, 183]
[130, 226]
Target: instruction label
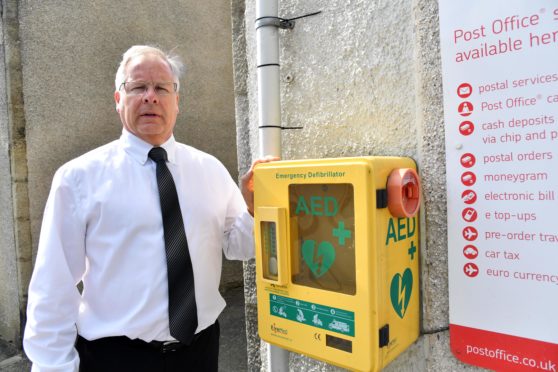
[500, 78]
[314, 315]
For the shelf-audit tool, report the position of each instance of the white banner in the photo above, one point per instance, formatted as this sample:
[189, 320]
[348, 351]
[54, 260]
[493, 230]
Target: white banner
[500, 77]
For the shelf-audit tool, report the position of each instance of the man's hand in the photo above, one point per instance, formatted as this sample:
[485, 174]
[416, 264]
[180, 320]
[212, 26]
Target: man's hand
[247, 183]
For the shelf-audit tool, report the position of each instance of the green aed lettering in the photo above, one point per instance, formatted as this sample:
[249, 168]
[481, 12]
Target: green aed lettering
[318, 206]
[405, 228]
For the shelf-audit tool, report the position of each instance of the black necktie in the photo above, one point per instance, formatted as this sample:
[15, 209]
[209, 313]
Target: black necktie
[183, 319]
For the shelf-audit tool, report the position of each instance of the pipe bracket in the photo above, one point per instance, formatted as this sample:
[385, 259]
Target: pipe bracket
[285, 24]
[278, 127]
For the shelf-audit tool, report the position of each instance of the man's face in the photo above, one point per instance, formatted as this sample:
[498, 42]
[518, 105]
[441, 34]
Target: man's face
[151, 115]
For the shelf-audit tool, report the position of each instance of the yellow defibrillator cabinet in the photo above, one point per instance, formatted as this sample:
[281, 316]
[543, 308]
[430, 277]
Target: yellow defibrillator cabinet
[337, 258]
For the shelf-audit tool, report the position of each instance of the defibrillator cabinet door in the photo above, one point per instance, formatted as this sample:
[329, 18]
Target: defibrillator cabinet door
[322, 236]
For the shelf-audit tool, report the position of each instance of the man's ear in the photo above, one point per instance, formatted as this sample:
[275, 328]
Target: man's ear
[117, 100]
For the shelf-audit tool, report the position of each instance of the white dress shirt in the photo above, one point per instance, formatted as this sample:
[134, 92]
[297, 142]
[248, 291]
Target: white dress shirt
[102, 225]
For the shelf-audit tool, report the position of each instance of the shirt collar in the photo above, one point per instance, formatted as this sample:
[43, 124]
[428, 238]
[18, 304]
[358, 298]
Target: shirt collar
[138, 148]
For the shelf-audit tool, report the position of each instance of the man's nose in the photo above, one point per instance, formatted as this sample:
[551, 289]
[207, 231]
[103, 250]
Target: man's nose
[149, 96]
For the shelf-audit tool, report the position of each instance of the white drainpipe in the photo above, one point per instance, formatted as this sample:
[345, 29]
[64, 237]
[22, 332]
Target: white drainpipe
[269, 103]
[269, 115]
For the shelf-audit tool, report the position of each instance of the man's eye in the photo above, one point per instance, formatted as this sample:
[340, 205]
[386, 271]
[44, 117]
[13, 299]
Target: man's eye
[162, 89]
[137, 88]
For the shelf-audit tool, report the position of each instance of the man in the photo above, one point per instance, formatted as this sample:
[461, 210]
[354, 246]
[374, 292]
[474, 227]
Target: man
[108, 224]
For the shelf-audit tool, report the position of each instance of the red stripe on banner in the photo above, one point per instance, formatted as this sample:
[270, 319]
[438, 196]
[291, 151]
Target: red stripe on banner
[501, 352]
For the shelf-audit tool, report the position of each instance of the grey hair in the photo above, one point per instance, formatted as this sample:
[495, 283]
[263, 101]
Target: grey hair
[174, 62]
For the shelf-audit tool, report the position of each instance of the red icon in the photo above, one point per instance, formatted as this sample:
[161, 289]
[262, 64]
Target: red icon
[468, 160]
[469, 214]
[470, 233]
[465, 108]
[471, 252]
[464, 90]
[469, 197]
[467, 127]
[471, 270]
[468, 178]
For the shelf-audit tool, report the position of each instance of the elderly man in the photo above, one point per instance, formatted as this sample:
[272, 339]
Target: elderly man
[141, 221]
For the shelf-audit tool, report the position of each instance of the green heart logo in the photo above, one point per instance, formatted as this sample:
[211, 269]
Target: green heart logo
[319, 262]
[400, 292]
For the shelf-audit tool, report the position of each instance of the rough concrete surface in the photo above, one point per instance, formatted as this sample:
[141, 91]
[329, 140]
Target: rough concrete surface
[9, 303]
[431, 162]
[9, 297]
[232, 351]
[254, 342]
[11, 359]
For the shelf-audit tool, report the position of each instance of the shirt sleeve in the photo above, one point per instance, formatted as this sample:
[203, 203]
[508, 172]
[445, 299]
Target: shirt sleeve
[239, 228]
[53, 301]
